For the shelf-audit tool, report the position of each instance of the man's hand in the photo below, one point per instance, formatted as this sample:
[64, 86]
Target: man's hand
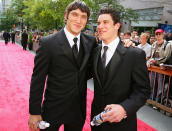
[150, 62]
[128, 43]
[33, 120]
[116, 113]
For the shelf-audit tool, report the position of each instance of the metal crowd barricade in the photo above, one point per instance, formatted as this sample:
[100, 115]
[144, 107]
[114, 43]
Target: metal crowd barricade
[161, 85]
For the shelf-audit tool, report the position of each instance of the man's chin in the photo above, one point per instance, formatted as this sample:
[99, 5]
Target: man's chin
[101, 37]
[77, 31]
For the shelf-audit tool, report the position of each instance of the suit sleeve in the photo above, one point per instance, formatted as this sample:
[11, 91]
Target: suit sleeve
[140, 86]
[90, 62]
[38, 79]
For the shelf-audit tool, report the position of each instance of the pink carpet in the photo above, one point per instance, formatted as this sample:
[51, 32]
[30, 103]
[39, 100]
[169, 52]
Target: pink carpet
[15, 73]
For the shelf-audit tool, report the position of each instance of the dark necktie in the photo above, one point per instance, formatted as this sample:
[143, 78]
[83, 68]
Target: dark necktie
[104, 56]
[75, 48]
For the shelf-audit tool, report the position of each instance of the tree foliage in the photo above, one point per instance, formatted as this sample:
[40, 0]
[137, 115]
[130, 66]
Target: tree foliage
[126, 13]
[11, 16]
[45, 14]
[49, 14]
[10, 19]
[18, 6]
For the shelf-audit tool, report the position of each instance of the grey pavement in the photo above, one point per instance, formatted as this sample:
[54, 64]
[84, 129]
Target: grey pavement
[155, 119]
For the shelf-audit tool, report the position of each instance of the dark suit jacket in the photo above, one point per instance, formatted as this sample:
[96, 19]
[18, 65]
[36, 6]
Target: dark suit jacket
[126, 83]
[13, 36]
[65, 94]
[6, 35]
[24, 38]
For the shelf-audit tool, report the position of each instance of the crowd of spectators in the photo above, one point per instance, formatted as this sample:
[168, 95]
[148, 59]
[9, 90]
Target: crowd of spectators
[157, 46]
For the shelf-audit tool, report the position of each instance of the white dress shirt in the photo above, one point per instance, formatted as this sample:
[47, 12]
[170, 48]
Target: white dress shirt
[111, 49]
[70, 38]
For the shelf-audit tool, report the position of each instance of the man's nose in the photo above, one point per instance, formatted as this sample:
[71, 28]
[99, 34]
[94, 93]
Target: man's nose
[100, 25]
[78, 20]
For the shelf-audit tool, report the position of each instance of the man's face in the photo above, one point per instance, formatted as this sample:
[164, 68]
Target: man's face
[76, 21]
[149, 35]
[126, 36]
[143, 39]
[106, 29]
[159, 36]
[152, 39]
[134, 33]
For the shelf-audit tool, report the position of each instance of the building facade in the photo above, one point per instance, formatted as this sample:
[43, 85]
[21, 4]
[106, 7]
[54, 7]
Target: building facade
[150, 12]
[4, 5]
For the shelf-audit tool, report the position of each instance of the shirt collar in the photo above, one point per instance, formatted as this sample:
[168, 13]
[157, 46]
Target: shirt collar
[143, 45]
[70, 36]
[112, 45]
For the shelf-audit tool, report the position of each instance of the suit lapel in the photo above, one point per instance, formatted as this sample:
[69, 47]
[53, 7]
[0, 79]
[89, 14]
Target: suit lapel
[66, 46]
[84, 42]
[115, 62]
[95, 62]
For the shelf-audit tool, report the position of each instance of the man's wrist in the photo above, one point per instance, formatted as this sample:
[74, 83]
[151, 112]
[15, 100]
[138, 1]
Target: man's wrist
[125, 116]
[125, 113]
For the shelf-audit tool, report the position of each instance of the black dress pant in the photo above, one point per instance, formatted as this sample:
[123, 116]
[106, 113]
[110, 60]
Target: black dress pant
[13, 41]
[6, 41]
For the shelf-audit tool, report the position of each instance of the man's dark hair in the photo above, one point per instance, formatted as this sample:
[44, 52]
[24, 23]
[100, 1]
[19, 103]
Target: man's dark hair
[147, 31]
[127, 33]
[134, 30]
[77, 4]
[112, 12]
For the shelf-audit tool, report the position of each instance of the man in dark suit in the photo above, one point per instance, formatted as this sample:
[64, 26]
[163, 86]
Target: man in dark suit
[13, 37]
[121, 81]
[24, 39]
[62, 58]
[6, 37]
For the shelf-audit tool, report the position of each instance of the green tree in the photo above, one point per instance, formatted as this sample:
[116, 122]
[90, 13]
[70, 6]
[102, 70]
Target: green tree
[9, 20]
[45, 14]
[126, 13]
[49, 14]
[11, 16]
[33, 14]
[18, 5]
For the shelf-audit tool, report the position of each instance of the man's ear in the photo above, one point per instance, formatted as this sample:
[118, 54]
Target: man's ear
[65, 16]
[117, 26]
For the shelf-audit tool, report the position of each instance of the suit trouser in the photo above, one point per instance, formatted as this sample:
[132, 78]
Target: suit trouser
[13, 41]
[67, 127]
[6, 41]
[24, 46]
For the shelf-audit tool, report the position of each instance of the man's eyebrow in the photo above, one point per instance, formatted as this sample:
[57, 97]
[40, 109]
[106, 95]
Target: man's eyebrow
[105, 20]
